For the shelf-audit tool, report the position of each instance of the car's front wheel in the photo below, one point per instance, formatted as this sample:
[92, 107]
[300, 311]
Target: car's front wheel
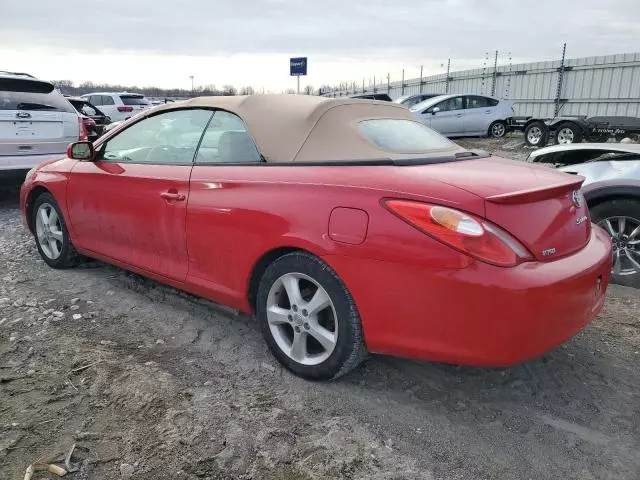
[308, 318]
[51, 234]
[621, 219]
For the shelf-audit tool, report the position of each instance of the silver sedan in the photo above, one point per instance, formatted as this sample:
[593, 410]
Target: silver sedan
[465, 115]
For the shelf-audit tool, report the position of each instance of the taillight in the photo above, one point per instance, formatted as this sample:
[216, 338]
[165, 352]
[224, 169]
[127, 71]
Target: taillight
[464, 232]
[84, 135]
[125, 109]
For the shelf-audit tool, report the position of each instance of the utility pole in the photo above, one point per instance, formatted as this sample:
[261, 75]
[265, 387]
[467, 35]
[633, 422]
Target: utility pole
[556, 109]
[388, 83]
[484, 72]
[191, 77]
[421, 77]
[446, 84]
[495, 75]
[508, 82]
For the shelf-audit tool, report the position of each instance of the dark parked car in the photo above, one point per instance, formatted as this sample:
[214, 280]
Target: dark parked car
[94, 119]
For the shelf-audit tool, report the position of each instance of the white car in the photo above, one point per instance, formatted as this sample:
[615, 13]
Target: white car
[118, 105]
[465, 115]
[36, 124]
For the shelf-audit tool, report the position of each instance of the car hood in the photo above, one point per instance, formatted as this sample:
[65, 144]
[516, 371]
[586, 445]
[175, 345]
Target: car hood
[606, 171]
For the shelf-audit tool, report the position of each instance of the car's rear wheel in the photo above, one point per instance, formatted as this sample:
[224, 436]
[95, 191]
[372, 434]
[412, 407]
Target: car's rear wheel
[308, 318]
[567, 133]
[536, 134]
[621, 219]
[51, 234]
[498, 129]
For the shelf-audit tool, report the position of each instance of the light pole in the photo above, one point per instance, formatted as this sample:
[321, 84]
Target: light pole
[191, 77]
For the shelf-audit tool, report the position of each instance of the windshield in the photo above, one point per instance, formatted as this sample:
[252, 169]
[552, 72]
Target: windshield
[134, 100]
[53, 102]
[419, 107]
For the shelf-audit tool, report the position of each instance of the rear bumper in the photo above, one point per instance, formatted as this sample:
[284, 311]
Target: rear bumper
[24, 162]
[480, 315]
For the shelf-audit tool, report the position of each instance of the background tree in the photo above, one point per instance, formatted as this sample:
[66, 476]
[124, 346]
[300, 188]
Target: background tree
[309, 90]
[229, 90]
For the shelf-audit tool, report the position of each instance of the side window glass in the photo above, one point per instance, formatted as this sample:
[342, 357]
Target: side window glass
[454, 103]
[107, 100]
[95, 100]
[170, 138]
[226, 140]
[88, 110]
[477, 102]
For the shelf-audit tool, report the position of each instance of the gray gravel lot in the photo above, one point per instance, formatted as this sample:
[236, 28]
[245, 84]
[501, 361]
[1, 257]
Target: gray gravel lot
[153, 383]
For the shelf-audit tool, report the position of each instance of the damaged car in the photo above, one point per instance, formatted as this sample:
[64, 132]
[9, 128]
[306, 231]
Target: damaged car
[612, 191]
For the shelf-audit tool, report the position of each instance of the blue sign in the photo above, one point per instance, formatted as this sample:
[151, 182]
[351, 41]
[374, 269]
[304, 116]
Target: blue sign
[298, 66]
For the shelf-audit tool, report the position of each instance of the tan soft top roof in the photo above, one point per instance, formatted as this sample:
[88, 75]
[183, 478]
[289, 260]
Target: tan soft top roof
[304, 128]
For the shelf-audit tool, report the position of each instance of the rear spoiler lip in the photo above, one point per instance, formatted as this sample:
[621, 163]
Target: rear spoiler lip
[536, 194]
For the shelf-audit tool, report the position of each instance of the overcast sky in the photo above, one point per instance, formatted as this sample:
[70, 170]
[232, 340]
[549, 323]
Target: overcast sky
[249, 42]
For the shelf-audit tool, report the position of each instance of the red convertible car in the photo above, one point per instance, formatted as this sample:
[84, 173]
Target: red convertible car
[345, 226]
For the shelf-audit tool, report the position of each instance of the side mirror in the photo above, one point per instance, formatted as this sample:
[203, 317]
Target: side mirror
[81, 151]
[435, 110]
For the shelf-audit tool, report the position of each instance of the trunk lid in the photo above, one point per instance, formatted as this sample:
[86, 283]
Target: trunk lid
[538, 205]
[36, 132]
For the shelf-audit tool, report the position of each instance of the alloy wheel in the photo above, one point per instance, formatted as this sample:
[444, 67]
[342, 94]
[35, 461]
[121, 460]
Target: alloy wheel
[565, 136]
[302, 319]
[498, 130]
[625, 236]
[534, 135]
[49, 231]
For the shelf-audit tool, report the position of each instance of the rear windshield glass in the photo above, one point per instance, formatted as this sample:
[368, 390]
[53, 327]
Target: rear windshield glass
[49, 102]
[131, 100]
[402, 136]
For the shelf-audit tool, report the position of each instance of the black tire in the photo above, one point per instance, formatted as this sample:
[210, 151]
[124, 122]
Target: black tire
[68, 256]
[541, 136]
[567, 130]
[497, 129]
[622, 207]
[349, 349]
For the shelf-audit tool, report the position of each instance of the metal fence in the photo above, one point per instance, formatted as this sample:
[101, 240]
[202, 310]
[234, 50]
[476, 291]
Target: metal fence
[604, 85]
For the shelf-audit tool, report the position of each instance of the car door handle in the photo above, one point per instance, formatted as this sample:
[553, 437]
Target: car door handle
[487, 111]
[174, 196]
[459, 115]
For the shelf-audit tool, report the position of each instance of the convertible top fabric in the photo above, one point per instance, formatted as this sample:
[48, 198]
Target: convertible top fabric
[305, 128]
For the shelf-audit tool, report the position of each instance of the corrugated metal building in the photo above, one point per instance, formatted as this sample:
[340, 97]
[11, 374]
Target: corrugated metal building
[604, 85]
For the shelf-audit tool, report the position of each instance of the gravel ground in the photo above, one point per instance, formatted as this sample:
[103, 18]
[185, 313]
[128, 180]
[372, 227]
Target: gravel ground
[153, 383]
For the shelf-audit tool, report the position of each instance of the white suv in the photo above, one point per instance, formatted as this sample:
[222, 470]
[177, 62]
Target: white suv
[118, 106]
[36, 124]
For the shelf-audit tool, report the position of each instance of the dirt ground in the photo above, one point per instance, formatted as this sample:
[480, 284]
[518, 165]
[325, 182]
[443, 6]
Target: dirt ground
[152, 383]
